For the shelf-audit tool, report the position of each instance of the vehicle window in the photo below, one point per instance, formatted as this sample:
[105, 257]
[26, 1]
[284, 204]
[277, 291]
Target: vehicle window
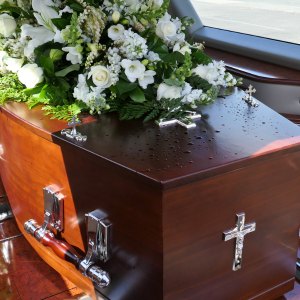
[274, 19]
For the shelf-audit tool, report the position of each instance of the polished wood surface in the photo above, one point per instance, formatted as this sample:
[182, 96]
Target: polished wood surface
[268, 194]
[229, 135]
[25, 276]
[2, 192]
[9, 229]
[293, 118]
[131, 171]
[255, 69]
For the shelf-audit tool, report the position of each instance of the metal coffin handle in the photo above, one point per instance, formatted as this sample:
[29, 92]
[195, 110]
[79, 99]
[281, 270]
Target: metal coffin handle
[98, 232]
[66, 252]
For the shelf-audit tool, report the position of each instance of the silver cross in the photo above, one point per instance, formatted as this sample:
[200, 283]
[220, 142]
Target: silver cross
[249, 99]
[183, 122]
[72, 133]
[238, 233]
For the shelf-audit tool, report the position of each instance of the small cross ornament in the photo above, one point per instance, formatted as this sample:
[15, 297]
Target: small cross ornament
[183, 122]
[239, 233]
[249, 99]
[72, 133]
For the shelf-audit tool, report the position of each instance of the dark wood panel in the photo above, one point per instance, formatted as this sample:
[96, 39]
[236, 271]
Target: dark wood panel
[196, 259]
[134, 209]
[230, 135]
[255, 69]
[293, 118]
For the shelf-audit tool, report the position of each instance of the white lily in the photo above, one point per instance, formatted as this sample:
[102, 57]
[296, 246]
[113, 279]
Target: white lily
[46, 32]
[146, 78]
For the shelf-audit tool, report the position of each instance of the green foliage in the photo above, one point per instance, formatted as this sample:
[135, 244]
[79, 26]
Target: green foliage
[137, 95]
[67, 70]
[199, 83]
[6, 7]
[129, 109]
[64, 112]
[11, 89]
[199, 58]
[124, 86]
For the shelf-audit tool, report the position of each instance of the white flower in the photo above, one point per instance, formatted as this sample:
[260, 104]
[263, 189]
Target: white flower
[67, 9]
[167, 29]
[133, 69]
[45, 33]
[156, 3]
[2, 64]
[8, 25]
[131, 2]
[168, 91]
[101, 76]
[82, 89]
[116, 16]
[73, 56]
[152, 56]
[183, 49]
[214, 72]
[146, 78]
[14, 64]
[114, 32]
[30, 75]
[133, 45]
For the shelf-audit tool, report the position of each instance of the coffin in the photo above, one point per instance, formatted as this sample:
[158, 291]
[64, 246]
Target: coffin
[170, 194]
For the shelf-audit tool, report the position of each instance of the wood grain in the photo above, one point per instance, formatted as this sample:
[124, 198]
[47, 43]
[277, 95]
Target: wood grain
[255, 69]
[159, 187]
[196, 259]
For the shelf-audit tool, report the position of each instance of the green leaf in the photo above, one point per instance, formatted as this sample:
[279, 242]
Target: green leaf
[43, 60]
[36, 90]
[124, 86]
[60, 23]
[180, 58]
[77, 7]
[67, 70]
[162, 51]
[114, 89]
[63, 83]
[174, 82]
[49, 65]
[202, 58]
[137, 95]
[123, 76]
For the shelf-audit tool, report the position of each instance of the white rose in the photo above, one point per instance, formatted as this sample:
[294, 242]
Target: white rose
[8, 25]
[116, 16]
[2, 64]
[166, 30]
[131, 2]
[114, 32]
[74, 56]
[168, 91]
[30, 75]
[101, 76]
[201, 71]
[14, 64]
[133, 69]
[9, 1]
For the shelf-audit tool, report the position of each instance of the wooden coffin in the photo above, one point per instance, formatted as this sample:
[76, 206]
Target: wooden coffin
[170, 193]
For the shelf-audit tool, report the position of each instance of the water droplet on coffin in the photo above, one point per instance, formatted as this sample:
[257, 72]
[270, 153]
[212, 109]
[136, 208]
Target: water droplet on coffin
[199, 137]
[210, 158]
[187, 151]
[190, 143]
[151, 148]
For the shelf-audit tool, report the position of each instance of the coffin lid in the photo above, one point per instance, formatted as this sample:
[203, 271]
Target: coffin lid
[230, 135]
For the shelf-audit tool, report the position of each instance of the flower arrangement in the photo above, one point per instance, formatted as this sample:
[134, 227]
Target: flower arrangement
[128, 56]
